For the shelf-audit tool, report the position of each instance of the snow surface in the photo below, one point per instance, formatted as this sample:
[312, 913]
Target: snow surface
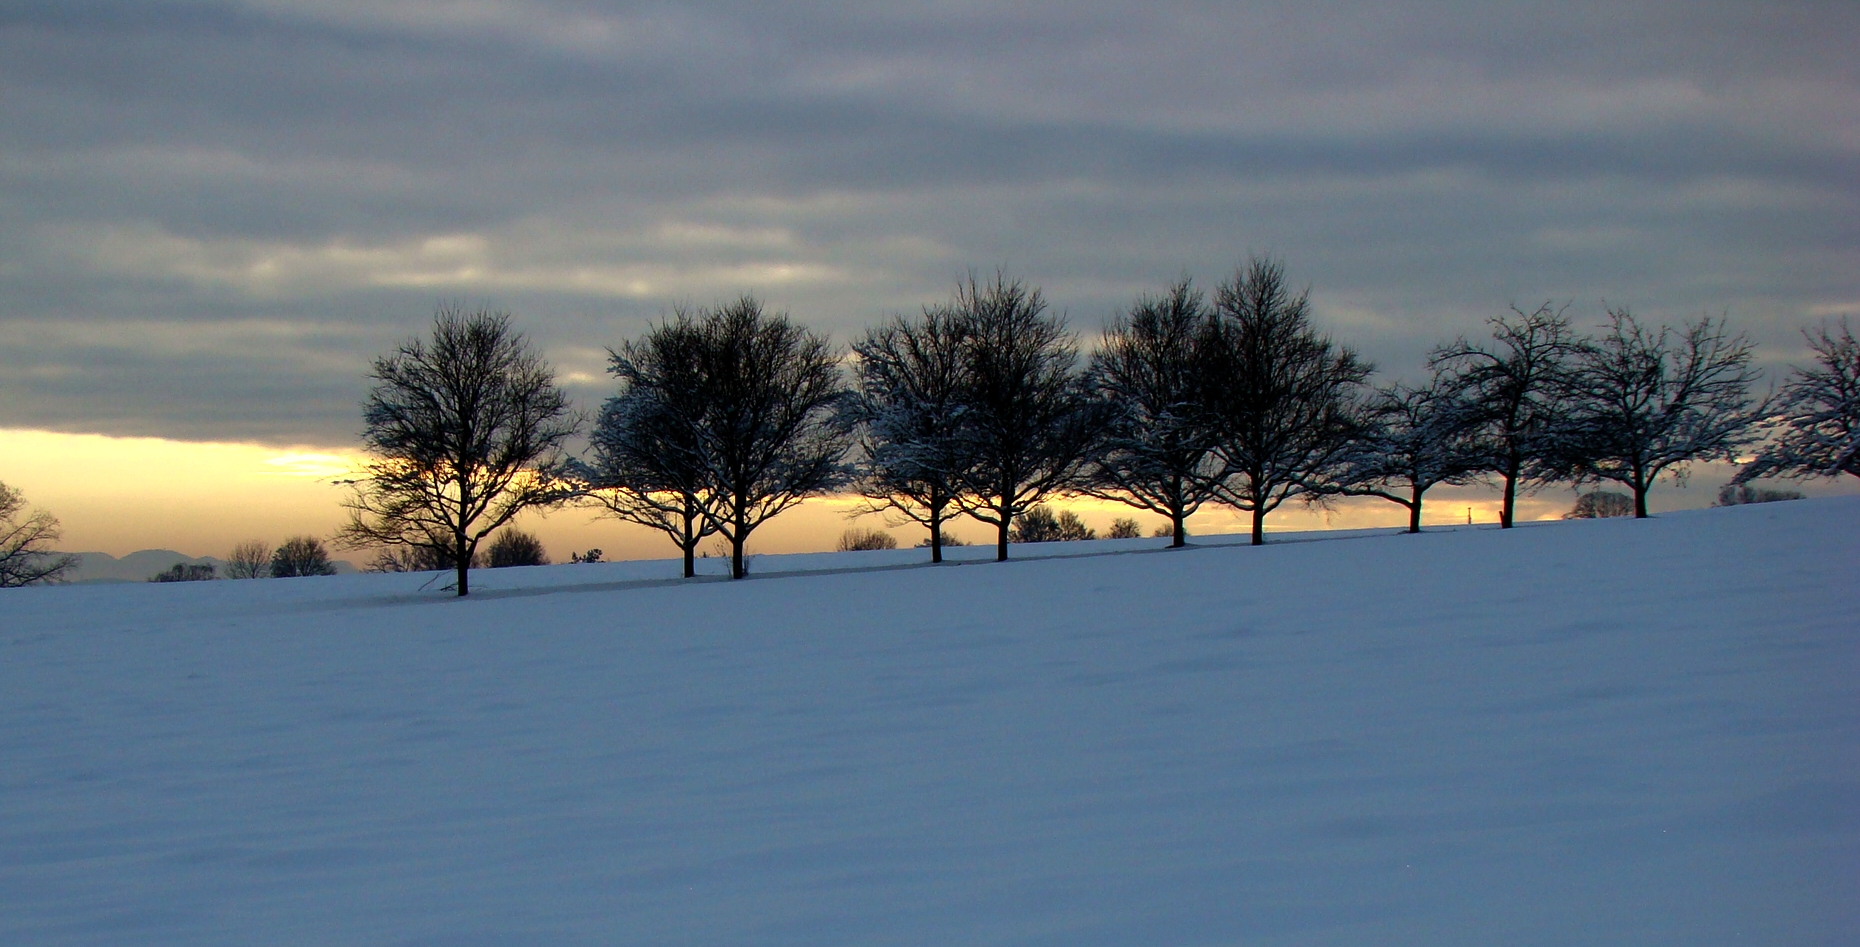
[1587, 733]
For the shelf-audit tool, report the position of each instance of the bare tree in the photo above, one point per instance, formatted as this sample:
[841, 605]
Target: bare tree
[1516, 386]
[910, 385]
[249, 560]
[514, 547]
[765, 420]
[185, 572]
[1285, 397]
[26, 556]
[1028, 423]
[1124, 528]
[1039, 524]
[1158, 449]
[866, 540]
[1413, 440]
[1646, 402]
[419, 558]
[647, 465]
[301, 556]
[1600, 504]
[1816, 424]
[401, 559]
[466, 431]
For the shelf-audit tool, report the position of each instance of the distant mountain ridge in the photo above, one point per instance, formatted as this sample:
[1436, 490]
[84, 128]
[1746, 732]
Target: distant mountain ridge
[138, 566]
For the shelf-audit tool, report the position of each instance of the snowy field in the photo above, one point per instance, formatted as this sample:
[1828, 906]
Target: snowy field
[1595, 733]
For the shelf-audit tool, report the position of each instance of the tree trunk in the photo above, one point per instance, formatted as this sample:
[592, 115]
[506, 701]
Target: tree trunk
[1414, 512]
[1640, 500]
[1511, 498]
[1259, 524]
[1177, 518]
[458, 538]
[1001, 540]
[689, 545]
[736, 554]
[936, 528]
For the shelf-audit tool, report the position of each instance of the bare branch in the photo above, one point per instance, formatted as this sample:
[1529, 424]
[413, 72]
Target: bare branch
[26, 556]
[1815, 429]
[1646, 402]
[467, 433]
[1285, 397]
[1159, 450]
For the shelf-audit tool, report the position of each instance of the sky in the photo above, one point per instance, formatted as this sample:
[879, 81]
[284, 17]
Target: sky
[217, 213]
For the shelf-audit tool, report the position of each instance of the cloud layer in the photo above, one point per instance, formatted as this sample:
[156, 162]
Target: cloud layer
[219, 211]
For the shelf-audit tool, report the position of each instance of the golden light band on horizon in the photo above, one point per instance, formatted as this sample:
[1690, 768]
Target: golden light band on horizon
[122, 494]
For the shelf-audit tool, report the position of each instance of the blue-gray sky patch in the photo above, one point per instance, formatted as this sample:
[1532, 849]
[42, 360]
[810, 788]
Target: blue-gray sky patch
[217, 211]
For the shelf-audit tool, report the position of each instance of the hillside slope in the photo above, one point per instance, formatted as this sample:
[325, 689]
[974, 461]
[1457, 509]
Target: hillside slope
[1606, 732]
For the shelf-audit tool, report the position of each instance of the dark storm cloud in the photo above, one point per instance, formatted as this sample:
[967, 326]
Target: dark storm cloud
[218, 211]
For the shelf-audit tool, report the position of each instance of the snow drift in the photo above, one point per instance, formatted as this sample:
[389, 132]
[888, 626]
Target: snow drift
[1607, 732]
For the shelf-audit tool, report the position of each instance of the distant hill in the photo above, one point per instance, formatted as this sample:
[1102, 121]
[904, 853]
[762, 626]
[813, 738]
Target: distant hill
[94, 567]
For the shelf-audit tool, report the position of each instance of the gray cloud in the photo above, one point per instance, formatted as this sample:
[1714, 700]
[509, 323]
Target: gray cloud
[219, 211]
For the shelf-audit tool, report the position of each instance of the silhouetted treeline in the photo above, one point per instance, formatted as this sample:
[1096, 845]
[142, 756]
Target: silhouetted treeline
[982, 407]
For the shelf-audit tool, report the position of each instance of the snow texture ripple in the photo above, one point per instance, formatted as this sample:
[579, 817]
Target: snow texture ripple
[1597, 733]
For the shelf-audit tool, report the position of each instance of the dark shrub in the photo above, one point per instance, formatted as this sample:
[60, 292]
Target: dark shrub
[301, 555]
[1040, 525]
[865, 540]
[514, 547]
[1599, 504]
[948, 542]
[1738, 494]
[182, 572]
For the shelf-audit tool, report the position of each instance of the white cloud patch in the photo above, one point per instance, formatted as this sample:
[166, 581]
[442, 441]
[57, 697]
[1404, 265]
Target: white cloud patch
[584, 32]
[534, 256]
[314, 465]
